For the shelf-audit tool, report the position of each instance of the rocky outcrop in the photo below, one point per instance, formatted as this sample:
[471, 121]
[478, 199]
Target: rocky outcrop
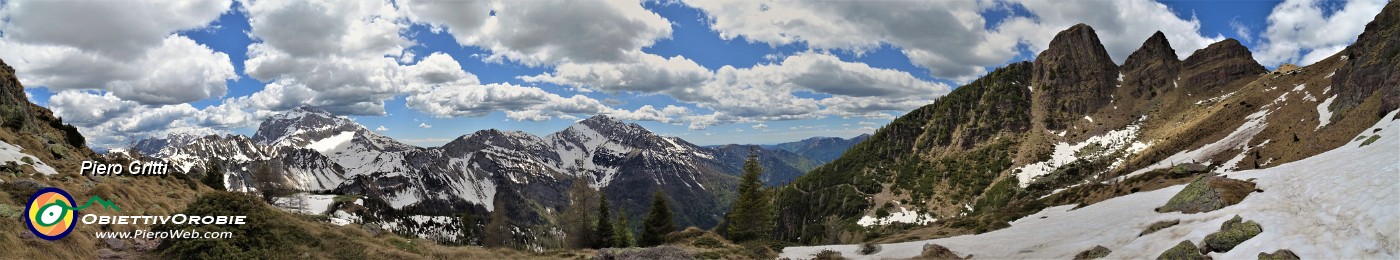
[1372, 64]
[1073, 77]
[1208, 194]
[1093, 253]
[1151, 68]
[1231, 234]
[1218, 64]
[54, 143]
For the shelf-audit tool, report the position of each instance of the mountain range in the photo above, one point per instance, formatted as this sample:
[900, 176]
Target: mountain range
[1036, 159]
[310, 150]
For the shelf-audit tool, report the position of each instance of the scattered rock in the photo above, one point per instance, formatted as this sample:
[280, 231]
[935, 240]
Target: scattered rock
[30, 184]
[11, 211]
[108, 254]
[935, 251]
[144, 245]
[1183, 250]
[373, 230]
[115, 244]
[1207, 194]
[1232, 233]
[1281, 254]
[660, 252]
[1093, 253]
[869, 248]
[1160, 225]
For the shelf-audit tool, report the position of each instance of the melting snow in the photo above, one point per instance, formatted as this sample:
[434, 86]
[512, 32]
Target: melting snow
[12, 153]
[1240, 138]
[336, 142]
[1324, 114]
[303, 203]
[1065, 153]
[903, 216]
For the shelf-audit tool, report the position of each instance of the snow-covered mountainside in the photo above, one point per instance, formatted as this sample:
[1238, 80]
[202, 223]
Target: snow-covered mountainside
[307, 149]
[1340, 204]
[1073, 128]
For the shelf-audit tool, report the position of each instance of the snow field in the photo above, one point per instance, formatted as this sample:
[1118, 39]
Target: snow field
[1341, 204]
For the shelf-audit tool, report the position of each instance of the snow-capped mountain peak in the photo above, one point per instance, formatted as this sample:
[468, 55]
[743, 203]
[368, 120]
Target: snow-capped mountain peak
[302, 126]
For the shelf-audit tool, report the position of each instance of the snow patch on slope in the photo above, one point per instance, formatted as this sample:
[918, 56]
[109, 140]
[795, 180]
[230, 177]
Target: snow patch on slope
[12, 153]
[1113, 141]
[1324, 114]
[336, 142]
[1240, 138]
[903, 216]
[303, 203]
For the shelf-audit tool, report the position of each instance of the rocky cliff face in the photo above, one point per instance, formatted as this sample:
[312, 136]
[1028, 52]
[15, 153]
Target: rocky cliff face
[55, 146]
[1218, 64]
[1372, 64]
[1152, 68]
[1073, 77]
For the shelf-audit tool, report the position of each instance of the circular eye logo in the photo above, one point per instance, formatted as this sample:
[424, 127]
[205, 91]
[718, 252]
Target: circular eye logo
[51, 213]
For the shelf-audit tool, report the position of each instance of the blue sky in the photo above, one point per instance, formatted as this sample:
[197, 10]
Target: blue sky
[712, 72]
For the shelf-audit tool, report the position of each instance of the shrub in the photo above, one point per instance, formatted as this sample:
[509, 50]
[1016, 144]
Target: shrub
[935, 251]
[869, 248]
[827, 255]
[707, 242]
[759, 249]
[9, 211]
[14, 122]
[265, 233]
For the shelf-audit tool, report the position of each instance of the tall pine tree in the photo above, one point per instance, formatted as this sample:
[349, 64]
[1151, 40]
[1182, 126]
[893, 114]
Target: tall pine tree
[659, 221]
[622, 234]
[214, 176]
[498, 228]
[605, 226]
[752, 215]
[580, 218]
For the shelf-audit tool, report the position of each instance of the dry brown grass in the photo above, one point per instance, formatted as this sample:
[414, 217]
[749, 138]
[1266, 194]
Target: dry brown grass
[154, 195]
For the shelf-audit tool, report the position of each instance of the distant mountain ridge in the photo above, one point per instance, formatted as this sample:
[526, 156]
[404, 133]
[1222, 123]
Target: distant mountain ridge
[307, 149]
[820, 149]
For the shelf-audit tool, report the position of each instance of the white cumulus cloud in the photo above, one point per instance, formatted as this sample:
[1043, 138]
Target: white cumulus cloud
[131, 49]
[1299, 32]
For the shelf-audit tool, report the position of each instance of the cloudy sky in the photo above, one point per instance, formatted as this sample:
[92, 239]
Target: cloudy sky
[712, 72]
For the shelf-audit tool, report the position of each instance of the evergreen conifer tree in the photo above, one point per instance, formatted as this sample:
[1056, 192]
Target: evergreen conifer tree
[659, 221]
